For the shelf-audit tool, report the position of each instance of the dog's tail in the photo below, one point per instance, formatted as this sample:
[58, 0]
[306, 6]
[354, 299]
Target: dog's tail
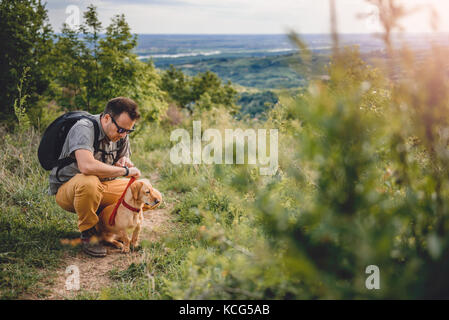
[77, 241]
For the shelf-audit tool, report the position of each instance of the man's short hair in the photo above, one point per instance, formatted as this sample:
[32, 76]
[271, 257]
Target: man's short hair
[115, 107]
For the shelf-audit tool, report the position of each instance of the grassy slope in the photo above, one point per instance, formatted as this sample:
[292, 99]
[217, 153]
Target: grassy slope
[31, 223]
[214, 232]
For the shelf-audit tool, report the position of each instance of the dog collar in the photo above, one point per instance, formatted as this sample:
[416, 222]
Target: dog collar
[126, 205]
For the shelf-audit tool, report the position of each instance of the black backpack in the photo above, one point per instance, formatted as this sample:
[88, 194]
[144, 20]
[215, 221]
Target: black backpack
[54, 136]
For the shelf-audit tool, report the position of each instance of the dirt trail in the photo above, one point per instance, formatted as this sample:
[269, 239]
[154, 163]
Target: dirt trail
[94, 271]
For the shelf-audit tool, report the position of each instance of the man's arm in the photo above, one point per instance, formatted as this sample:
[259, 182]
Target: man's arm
[88, 165]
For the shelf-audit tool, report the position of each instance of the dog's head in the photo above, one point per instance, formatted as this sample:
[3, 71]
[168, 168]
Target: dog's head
[143, 192]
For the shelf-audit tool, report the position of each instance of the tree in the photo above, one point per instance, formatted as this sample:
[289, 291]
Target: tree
[118, 63]
[206, 82]
[91, 30]
[70, 72]
[177, 85]
[185, 90]
[92, 68]
[25, 35]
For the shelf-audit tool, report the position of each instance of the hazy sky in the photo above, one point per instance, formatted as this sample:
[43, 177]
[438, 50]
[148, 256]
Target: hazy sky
[241, 16]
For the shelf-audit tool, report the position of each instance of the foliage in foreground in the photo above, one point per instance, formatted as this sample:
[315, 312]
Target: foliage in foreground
[362, 181]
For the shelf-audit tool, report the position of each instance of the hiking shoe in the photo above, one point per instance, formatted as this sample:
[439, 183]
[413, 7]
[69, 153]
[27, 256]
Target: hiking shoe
[93, 247]
[90, 244]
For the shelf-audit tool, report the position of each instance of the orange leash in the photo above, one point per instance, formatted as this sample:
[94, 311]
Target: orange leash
[114, 212]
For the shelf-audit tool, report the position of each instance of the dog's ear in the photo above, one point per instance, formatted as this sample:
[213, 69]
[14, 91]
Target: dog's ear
[135, 189]
[147, 182]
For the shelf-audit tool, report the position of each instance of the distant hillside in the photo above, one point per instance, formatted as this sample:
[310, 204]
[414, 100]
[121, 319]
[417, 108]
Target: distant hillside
[267, 72]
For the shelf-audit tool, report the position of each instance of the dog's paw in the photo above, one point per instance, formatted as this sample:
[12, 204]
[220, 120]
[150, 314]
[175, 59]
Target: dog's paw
[135, 243]
[125, 249]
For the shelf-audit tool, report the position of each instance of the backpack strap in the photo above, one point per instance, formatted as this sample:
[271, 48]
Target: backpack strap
[64, 162]
[61, 163]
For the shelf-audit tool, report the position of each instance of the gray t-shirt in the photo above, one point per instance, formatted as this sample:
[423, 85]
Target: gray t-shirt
[81, 136]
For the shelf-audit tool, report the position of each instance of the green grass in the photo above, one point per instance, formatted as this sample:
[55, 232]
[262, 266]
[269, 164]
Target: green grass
[31, 223]
[161, 260]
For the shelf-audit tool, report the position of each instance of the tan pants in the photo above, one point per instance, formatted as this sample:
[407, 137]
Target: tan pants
[84, 194]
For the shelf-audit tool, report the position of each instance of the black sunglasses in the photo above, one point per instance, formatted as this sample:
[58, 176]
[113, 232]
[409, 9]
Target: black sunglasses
[120, 129]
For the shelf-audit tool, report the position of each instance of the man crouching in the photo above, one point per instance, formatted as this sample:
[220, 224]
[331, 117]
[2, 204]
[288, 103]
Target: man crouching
[89, 184]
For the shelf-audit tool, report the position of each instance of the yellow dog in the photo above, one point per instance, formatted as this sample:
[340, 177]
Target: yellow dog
[129, 215]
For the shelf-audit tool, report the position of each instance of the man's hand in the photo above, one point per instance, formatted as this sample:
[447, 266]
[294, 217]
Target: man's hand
[124, 161]
[88, 165]
[134, 172]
